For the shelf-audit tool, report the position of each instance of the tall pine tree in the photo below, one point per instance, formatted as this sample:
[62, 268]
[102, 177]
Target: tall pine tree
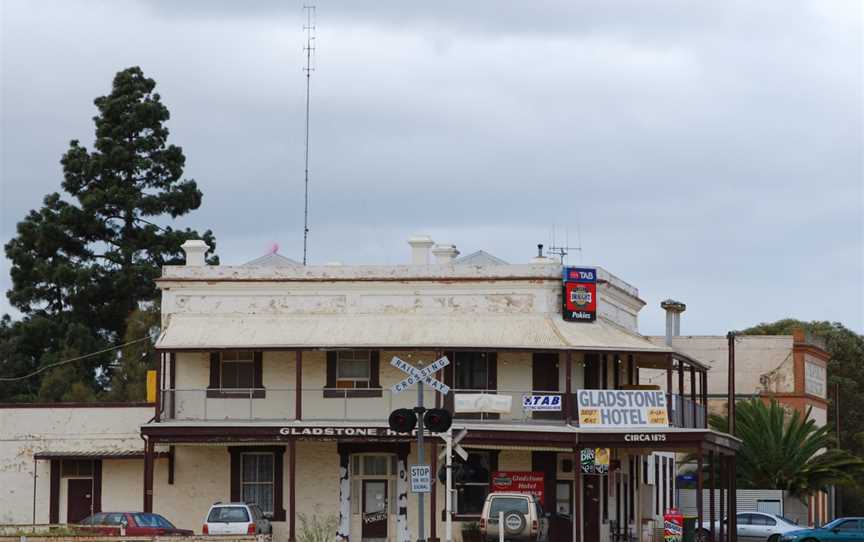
[84, 264]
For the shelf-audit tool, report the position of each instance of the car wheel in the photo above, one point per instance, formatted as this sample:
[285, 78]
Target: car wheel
[774, 538]
[704, 535]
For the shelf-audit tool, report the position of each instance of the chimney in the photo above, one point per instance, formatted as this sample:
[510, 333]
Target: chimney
[540, 258]
[195, 250]
[420, 245]
[673, 318]
[444, 254]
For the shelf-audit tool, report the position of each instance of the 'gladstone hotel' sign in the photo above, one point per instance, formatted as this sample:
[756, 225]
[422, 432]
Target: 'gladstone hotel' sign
[622, 408]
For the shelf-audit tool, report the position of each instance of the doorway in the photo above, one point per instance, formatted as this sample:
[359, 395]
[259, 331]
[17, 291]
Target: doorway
[79, 500]
[544, 379]
[591, 510]
[374, 510]
[561, 522]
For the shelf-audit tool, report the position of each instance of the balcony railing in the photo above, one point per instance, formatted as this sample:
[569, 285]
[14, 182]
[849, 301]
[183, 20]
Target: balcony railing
[367, 405]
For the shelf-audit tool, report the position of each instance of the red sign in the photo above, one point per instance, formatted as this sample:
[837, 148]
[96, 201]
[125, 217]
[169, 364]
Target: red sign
[580, 294]
[518, 482]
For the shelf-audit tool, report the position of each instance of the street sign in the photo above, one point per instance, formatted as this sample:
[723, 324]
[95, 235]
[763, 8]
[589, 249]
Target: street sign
[421, 479]
[416, 375]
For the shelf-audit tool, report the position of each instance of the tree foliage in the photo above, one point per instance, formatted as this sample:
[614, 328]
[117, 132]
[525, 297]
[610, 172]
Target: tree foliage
[787, 451]
[83, 264]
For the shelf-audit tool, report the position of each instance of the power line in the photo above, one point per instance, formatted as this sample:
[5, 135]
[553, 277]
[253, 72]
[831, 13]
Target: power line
[65, 361]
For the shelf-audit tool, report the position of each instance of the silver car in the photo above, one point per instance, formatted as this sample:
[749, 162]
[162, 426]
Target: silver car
[752, 527]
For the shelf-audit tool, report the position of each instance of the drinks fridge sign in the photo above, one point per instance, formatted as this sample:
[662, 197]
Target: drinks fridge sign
[580, 294]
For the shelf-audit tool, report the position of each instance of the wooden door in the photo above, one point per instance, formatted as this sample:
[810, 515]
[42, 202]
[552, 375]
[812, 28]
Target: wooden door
[591, 510]
[79, 499]
[544, 379]
[374, 509]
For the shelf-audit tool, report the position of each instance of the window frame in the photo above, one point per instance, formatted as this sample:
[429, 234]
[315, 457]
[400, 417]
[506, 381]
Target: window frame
[331, 389]
[217, 389]
[248, 361]
[236, 493]
[492, 462]
[341, 358]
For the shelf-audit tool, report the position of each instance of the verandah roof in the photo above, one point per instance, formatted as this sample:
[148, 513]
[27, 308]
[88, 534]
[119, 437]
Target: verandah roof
[526, 332]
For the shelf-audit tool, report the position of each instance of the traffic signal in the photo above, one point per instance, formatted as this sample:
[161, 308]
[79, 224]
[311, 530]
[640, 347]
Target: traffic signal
[437, 420]
[402, 420]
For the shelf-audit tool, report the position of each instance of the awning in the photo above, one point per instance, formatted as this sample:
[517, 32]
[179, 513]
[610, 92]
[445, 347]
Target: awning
[528, 332]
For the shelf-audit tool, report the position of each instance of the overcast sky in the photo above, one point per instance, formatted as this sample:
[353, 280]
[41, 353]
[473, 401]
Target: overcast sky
[706, 151]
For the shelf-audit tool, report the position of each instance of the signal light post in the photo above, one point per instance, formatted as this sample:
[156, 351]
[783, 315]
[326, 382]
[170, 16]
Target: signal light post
[403, 420]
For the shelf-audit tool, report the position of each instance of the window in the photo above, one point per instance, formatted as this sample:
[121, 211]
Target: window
[758, 519]
[745, 519]
[472, 489]
[238, 370]
[256, 482]
[152, 520]
[77, 467]
[228, 514]
[353, 369]
[848, 525]
[471, 371]
[508, 504]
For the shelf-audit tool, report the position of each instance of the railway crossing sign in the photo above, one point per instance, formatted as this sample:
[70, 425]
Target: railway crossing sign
[423, 375]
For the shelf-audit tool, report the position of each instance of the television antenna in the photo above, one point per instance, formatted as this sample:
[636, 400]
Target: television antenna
[309, 27]
[561, 251]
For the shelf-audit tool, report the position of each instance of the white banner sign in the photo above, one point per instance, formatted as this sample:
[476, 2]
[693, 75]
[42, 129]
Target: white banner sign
[547, 403]
[483, 402]
[421, 479]
[622, 408]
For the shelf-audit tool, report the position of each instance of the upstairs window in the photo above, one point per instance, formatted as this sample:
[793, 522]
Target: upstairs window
[472, 371]
[238, 369]
[353, 369]
[352, 373]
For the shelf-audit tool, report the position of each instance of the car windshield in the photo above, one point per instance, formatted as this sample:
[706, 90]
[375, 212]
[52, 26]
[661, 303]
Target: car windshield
[508, 504]
[95, 519]
[228, 514]
[152, 520]
[844, 524]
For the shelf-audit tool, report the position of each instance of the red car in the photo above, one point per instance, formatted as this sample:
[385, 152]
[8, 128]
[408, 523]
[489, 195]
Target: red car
[136, 524]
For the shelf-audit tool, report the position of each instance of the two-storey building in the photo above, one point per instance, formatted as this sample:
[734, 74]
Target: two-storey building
[275, 388]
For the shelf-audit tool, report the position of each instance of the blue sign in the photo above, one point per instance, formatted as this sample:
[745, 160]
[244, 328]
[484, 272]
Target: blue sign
[580, 274]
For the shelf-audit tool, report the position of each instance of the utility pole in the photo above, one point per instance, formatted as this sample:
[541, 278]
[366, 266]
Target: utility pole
[421, 530]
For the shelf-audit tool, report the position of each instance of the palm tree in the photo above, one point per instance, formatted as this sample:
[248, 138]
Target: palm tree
[788, 452]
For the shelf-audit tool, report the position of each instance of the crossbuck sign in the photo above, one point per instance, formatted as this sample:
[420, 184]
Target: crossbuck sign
[424, 375]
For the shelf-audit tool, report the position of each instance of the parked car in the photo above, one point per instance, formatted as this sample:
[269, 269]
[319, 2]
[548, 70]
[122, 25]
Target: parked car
[524, 519]
[236, 518]
[135, 524]
[752, 527]
[841, 529]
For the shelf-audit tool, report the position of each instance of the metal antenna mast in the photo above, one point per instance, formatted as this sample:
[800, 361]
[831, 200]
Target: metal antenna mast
[562, 250]
[310, 29]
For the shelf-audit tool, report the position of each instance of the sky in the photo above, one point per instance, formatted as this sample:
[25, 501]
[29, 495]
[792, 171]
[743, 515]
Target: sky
[711, 152]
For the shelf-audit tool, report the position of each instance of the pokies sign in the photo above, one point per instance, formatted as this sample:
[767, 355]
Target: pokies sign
[580, 294]
[518, 482]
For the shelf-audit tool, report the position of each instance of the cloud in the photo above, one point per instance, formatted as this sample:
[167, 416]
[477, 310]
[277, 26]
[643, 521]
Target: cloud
[708, 152]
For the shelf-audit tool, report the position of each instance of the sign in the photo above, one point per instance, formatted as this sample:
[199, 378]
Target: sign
[373, 517]
[483, 402]
[421, 479]
[814, 379]
[518, 482]
[540, 403]
[595, 460]
[580, 294]
[416, 375]
[622, 408]
[457, 449]
[328, 433]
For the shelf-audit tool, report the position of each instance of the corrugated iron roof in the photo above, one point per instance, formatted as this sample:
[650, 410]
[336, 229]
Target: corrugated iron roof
[528, 332]
[90, 454]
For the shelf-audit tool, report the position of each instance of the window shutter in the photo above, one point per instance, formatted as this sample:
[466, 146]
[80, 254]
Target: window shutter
[492, 361]
[235, 473]
[375, 369]
[331, 369]
[258, 370]
[214, 370]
